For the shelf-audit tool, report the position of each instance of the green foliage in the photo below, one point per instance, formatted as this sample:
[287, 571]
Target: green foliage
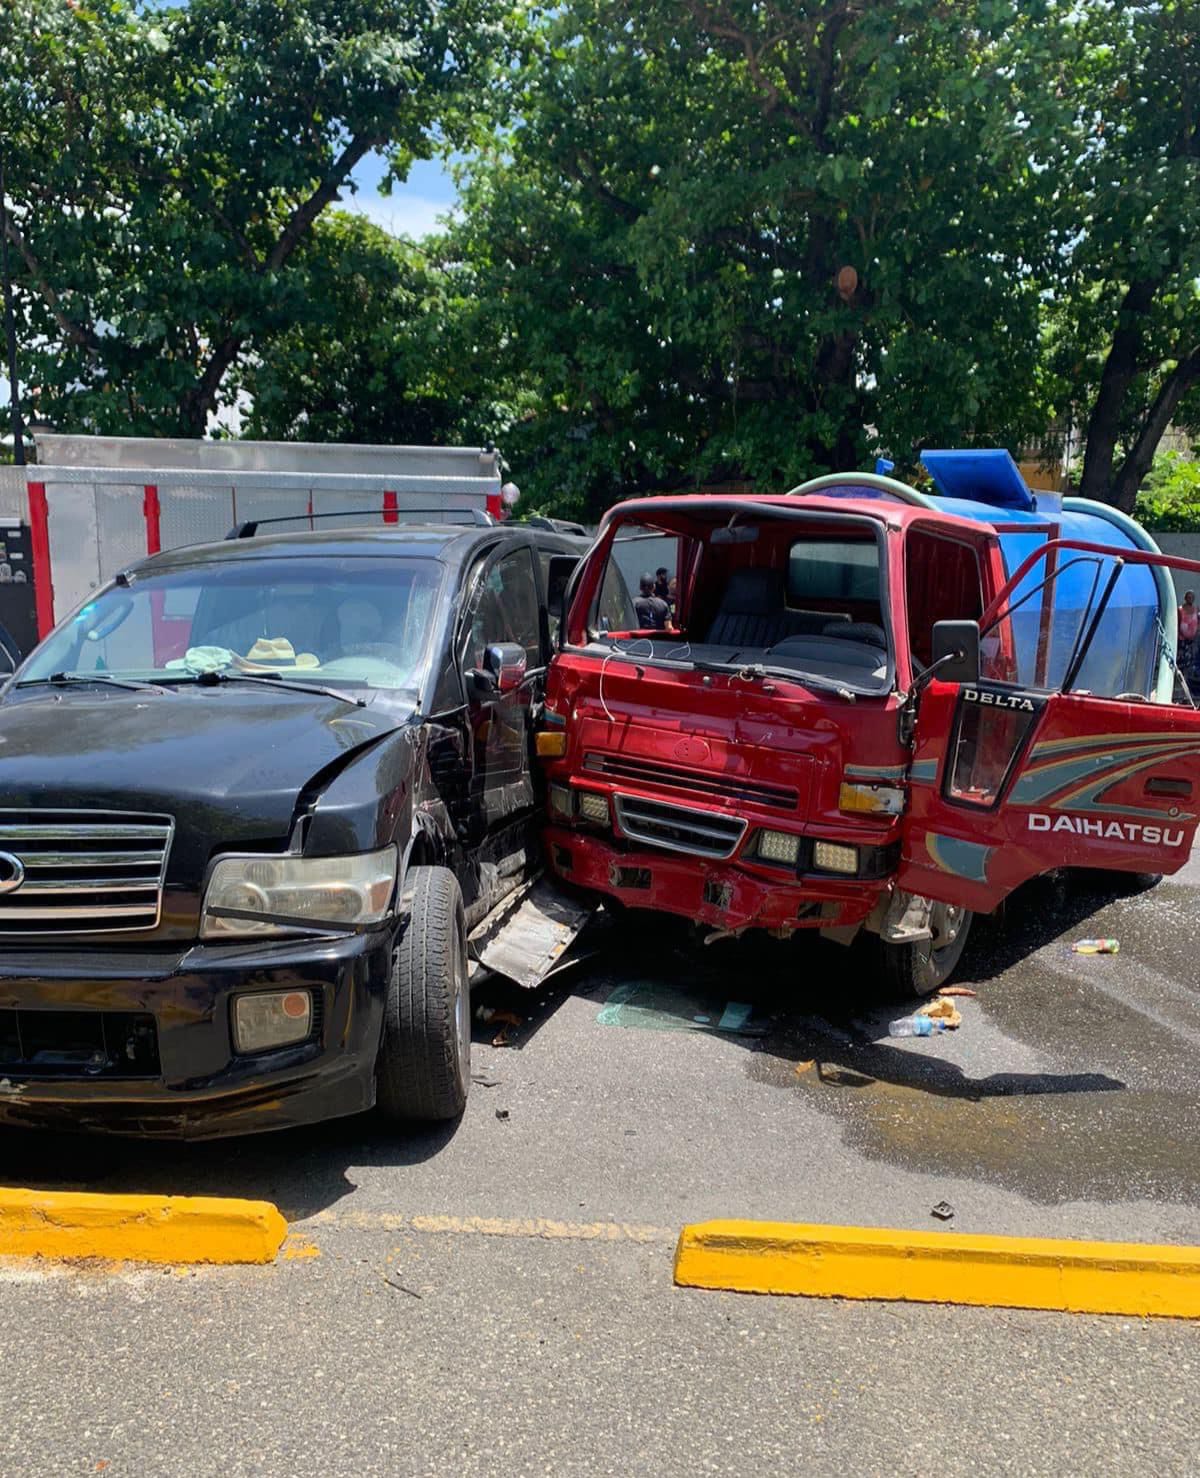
[755, 241]
[1169, 501]
[164, 165]
[1125, 329]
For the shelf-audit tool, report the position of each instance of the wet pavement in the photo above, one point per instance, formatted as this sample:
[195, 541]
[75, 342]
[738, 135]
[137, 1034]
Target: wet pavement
[656, 1083]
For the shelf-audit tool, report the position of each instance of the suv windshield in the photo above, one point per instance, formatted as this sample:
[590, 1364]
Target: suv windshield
[343, 622]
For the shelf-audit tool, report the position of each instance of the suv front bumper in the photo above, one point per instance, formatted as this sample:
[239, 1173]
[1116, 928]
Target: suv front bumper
[200, 1087]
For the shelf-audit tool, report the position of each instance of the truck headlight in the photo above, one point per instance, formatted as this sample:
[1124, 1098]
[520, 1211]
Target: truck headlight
[778, 846]
[593, 807]
[257, 896]
[833, 857]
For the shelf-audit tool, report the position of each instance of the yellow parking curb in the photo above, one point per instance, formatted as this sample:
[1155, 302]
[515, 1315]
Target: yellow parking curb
[940, 1267]
[172, 1229]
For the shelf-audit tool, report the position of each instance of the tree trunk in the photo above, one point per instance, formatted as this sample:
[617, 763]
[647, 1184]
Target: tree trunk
[1120, 370]
[1140, 458]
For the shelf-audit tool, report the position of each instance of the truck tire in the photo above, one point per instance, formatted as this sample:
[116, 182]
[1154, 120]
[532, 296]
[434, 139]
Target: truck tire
[424, 1065]
[918, 968]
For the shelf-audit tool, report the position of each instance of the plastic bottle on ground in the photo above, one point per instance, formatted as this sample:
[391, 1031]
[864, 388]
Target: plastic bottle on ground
[915, 1026]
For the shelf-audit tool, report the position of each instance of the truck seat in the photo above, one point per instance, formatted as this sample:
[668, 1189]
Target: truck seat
[863, 631]
[753, 613]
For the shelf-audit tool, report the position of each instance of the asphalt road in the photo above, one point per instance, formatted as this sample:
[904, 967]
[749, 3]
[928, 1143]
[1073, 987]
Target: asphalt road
[498, 1298]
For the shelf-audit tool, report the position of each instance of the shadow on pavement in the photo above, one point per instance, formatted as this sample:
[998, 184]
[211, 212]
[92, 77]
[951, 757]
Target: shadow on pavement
[809, 1001]
[302, 1170]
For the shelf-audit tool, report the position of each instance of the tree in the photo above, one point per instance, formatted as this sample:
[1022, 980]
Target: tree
[757, 239]
[366, 363]
[1127, 306]
[165, 165]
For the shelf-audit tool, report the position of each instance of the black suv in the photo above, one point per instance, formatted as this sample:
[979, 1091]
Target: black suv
[256, 794]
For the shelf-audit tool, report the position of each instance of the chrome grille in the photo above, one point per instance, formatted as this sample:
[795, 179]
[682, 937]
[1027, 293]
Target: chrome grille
[693, 782]
[678, 828]
[81, 872]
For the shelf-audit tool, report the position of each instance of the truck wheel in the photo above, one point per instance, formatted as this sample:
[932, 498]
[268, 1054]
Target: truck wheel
[918, 968]
[424, 1066]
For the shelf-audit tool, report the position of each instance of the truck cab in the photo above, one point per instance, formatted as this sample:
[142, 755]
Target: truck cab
[860, 719]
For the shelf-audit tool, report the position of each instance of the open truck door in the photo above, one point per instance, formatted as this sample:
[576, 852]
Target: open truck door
[1056, 756]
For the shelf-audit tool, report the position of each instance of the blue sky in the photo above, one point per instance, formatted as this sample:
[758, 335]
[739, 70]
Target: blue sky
[412, 209]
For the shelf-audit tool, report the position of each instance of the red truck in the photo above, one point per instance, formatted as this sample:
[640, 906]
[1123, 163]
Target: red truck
[873, 713]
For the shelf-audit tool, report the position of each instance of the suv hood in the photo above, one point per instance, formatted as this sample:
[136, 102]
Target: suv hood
[227, 763]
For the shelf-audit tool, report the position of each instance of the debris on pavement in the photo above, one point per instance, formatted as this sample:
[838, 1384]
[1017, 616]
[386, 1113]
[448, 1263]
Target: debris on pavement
[498, 1013]
[943, 1211]
[1096, 947]
[957, 990]
[484, 1080]
[648, 1006]
[915, 1026]
[502, 1113]
[944, 1011]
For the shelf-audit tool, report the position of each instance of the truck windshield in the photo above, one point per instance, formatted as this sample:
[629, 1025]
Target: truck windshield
[749, 593]
[341, 622]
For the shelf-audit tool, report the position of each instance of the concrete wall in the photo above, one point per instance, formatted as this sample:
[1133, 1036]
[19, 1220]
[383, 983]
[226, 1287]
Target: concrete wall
[1187, 545]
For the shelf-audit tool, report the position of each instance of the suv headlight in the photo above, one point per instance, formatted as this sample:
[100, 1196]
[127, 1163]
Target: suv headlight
[277, 895]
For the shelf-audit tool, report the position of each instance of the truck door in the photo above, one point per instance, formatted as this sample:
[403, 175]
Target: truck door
[1064, 762]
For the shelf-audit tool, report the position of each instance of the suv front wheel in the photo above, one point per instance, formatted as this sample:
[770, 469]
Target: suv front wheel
[424, 1067]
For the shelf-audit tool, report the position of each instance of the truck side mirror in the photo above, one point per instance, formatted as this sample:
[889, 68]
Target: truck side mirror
[956, 651]
[506, 663]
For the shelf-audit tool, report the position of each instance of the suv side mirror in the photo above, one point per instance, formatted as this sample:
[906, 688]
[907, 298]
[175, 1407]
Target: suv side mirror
[506, 663]
[956, 651]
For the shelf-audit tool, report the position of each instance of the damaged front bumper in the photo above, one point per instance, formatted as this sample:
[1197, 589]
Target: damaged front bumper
[728, 897]
[160, 1023]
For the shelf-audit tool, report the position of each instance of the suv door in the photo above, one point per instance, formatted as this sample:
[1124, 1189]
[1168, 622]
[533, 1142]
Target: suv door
[504, 609]
[1036, 766]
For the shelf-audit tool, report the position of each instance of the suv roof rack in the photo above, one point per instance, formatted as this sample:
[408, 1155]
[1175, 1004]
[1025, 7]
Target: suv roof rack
[555, 525]
[471, 517]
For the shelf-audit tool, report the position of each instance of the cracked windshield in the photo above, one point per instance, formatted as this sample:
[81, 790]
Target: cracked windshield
[353, 622]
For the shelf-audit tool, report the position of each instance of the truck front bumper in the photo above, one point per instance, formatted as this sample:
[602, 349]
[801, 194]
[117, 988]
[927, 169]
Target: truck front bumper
[187, 1081]
[724, 895]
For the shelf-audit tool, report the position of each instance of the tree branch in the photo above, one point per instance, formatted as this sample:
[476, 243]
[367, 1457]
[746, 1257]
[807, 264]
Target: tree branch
[199, 402]
[78, 334]
[1140, 457]
[306, 213]
[1120, 369]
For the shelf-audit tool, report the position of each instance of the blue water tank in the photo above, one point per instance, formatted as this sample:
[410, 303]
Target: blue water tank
[1128, 653]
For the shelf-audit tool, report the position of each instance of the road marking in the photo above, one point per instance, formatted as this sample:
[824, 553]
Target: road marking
[532, 1227]
[940, 1267]
[158, 1229]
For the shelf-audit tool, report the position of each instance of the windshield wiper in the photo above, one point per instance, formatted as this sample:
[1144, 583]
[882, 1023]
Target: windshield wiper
[59, 678]
[277, 680]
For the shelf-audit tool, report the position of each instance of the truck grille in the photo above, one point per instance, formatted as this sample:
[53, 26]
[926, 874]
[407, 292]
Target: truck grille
[677, 828]
[81, 872]
[693, 782]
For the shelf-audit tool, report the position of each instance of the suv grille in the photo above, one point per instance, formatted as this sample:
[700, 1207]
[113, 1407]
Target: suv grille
[677, 828]
[81, 872]
[694, 782]
[66, 1044]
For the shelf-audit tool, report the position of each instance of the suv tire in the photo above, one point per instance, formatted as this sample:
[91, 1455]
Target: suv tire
[424, 1066]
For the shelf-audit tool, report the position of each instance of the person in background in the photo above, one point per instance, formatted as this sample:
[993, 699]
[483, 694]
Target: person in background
[653, 613]
[673, 599]
[1189, 620]
[662, 586]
